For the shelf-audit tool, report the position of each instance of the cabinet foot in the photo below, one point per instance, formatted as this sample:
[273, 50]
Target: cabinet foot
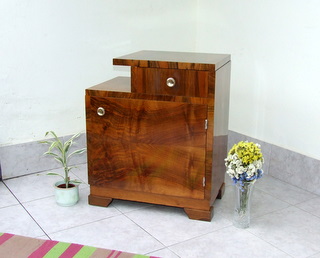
[99, 201]
[221, 191]
[199, 214]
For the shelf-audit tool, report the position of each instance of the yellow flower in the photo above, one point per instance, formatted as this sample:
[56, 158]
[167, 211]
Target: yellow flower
[248, 152]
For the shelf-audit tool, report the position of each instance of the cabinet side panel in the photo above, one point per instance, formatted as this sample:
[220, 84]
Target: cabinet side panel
[221, 119]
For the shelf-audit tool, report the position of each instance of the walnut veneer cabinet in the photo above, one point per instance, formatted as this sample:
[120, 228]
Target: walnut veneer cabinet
[160, 136]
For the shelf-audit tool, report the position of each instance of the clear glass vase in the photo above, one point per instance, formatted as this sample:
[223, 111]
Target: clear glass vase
[241, 217]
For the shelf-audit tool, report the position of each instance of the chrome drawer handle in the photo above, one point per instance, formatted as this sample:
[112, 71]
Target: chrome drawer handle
[101, 111]
[171, 82]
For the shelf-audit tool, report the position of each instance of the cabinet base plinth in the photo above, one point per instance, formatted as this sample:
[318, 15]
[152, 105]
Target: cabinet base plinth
[199, 214]
[196, 214]
[99, 201]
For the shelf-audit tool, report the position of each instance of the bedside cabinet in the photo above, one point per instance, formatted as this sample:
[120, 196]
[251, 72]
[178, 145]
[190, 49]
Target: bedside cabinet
[160, 136]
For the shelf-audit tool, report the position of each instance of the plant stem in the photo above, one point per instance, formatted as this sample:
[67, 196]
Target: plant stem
[66, 178]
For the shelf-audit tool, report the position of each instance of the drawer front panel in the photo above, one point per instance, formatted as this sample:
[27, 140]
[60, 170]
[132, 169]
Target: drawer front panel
[147, 146]
[176, 82]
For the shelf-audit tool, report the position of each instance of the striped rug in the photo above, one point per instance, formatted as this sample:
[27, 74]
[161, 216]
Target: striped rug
[21, 247]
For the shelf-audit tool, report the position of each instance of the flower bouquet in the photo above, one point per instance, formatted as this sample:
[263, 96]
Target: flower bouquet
[244, 163]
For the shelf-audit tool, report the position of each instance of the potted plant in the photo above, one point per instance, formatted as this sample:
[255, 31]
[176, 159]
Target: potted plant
[66, 191]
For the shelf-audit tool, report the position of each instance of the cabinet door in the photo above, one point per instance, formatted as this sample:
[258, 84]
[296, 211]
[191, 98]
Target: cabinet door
[146, 145]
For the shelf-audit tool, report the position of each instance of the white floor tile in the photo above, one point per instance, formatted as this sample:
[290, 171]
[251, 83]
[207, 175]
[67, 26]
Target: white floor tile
[283, 191]
[292, 230]
[227, 242]
[166, 252]
[35, 186]
[312, 206]
[118, 233]
[171, 225]
[285, 220]
[53, 217]
[7, 199]
[261, 203]
[15, 220]
[128, 206]
[315, 256]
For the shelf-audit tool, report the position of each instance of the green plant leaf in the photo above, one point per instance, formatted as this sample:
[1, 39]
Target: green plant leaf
[46, 142]
[69, 168]
[75, 136]
[52, 133]
[52, 146]
[80, 151]
[66, 146]
[59, 159]
[76, 181]
[69, 142]
[60, 153]
[54, 174]
[51, 153]
[58, 142]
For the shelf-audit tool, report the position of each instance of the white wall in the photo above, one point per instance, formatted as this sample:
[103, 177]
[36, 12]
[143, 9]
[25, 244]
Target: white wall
[51, 50]
[275, 88]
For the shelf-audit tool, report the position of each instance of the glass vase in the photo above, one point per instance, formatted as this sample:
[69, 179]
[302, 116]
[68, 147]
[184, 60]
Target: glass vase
[243, 192]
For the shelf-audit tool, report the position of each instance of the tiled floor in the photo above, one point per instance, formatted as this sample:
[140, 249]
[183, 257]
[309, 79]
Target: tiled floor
[285, 222]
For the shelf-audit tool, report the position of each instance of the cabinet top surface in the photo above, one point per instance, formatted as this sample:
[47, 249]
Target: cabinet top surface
[167, 59]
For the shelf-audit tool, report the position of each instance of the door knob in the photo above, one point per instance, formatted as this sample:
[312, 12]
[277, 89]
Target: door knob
[101, 111]
[171, 82]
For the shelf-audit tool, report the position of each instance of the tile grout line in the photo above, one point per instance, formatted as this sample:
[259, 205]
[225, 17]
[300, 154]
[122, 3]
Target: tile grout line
[195, 237]
[248, 230]
[20, 203]
[168, 246]
[290, 204]
[88, 223]
[146, 232]
[40, 171]
[306, 211]
[149, 253]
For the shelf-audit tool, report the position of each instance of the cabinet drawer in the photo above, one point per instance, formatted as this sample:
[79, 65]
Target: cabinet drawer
[176, 82]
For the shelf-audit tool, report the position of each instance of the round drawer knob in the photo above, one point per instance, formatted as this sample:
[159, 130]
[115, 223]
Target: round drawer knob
[171, 82]
[101, 111]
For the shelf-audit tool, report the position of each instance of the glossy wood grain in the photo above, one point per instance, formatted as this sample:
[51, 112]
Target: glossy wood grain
[174, 60]
[205, 215]
[149, 146]
[119, 87]
[154, 81]
[98, 194]
[152, 144]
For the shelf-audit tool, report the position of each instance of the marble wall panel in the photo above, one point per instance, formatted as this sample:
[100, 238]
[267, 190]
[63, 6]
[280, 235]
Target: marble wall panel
[289, 166]
[296, 169]
[27, 158]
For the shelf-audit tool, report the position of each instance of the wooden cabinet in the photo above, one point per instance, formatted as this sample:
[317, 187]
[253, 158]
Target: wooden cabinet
[160, 136]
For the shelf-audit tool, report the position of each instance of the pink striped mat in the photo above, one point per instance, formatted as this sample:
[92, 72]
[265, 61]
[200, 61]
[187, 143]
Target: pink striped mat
[20, 247]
